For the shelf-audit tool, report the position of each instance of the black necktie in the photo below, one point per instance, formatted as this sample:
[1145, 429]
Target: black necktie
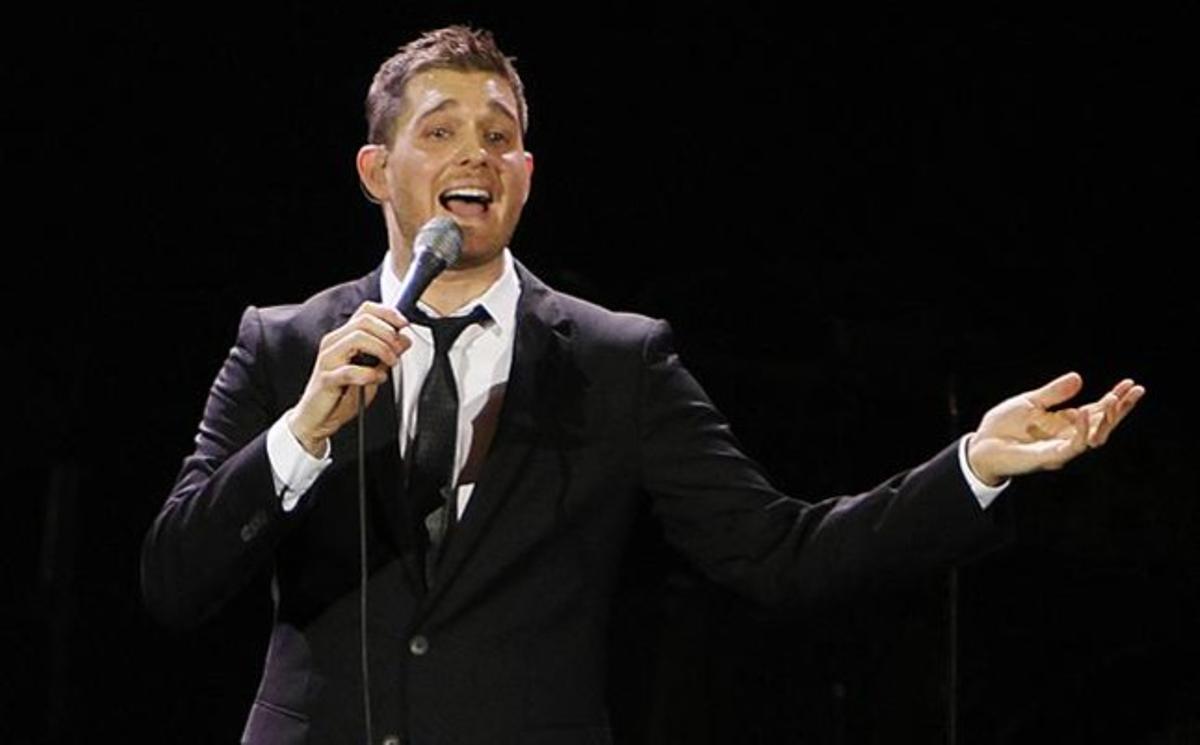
[431, 474]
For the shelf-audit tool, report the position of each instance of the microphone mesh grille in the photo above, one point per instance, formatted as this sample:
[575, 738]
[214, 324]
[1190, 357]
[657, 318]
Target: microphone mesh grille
[442, 237]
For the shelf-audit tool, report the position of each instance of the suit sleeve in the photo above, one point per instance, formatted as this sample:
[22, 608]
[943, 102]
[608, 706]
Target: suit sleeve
[719, 510]
[220, 523]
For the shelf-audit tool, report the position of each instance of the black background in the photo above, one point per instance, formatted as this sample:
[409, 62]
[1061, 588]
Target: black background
[865, 233]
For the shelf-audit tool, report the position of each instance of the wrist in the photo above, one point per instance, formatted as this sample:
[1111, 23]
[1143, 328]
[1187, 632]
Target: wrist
[312, 443]
[981, 472]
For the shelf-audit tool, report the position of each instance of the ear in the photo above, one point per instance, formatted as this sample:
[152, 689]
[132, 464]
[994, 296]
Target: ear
[528, 176]
[371, 163]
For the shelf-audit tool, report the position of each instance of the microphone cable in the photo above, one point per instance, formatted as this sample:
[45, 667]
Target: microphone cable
[362, 559]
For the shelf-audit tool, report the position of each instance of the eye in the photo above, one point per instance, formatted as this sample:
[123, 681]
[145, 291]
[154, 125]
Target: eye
[497, 137]
[439, 132]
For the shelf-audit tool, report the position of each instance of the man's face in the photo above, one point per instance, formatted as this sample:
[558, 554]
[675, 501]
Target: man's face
[458, 151]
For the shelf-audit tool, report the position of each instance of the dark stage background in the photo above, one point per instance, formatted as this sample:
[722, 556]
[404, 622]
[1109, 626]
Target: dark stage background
[864, 233]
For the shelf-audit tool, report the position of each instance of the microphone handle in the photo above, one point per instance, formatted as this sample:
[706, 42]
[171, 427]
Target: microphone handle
[425, 267]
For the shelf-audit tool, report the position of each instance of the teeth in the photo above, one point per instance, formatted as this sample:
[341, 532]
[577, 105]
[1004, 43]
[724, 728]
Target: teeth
[467, 193]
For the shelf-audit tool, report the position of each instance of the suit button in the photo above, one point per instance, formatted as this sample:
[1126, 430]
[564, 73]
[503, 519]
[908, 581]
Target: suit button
[251, 528]
[418, 645]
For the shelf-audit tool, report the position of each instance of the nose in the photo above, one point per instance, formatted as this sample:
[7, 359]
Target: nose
[474, 150]
[472, 155]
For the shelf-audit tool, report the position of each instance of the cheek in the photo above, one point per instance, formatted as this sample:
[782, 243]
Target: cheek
[518, 185]
[411, 178]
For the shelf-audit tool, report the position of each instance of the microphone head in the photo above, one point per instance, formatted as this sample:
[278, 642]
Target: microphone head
[441, 237]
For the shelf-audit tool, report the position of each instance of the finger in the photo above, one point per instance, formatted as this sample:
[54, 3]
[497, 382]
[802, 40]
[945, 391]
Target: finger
[385, 313]
[1061, 389]
[1121, 409]
[378, 320]
[383, 330]
[1130, 399]
[352, 344]
[1120, 389]
[1103, 418]
[1078, 443]
[352, 375]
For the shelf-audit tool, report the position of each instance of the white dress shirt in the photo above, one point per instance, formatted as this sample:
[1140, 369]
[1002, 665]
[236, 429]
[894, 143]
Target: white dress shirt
[481, 358]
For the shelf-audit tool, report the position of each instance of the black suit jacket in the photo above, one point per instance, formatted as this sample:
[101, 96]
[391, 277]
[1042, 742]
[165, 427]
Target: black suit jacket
[509, 646]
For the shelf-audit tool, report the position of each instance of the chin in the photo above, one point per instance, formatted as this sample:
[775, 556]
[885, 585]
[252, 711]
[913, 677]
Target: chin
[473, 256]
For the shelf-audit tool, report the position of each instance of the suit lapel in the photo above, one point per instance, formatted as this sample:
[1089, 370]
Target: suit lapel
[541, 348]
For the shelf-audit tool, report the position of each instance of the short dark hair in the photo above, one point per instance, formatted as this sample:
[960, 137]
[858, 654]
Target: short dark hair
[453, 48]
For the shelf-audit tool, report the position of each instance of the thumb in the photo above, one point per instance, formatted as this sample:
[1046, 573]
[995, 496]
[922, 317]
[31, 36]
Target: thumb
[1061, 389]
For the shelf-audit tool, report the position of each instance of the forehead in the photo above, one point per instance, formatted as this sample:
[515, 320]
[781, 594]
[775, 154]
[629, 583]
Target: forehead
[429, 89]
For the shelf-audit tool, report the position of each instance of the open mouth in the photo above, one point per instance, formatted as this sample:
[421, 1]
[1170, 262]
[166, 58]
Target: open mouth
[466, 201]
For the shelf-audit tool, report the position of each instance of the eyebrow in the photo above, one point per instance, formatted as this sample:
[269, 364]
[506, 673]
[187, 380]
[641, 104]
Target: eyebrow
[501, 108]
[493, 104]
[445, 104]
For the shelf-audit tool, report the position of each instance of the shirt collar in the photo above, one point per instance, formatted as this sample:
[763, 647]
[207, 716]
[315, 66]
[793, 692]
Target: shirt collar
[499, 300]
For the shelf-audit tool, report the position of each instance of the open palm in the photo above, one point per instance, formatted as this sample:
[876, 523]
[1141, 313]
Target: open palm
[1022, 434]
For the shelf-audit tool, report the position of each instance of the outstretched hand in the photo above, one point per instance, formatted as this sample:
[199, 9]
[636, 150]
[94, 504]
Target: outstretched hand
[1022, 434]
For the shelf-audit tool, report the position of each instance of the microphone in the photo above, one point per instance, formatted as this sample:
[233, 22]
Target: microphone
[436, 248]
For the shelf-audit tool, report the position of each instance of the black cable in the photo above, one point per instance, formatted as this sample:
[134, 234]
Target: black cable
[952, 662]
[362, 558]
[952, 642]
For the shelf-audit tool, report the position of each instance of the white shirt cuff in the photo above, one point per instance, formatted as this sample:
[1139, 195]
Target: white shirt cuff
[984, 493]
[292, 468]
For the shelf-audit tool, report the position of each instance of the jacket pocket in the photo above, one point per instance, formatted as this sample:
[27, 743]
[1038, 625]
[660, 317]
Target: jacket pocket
[269, 724]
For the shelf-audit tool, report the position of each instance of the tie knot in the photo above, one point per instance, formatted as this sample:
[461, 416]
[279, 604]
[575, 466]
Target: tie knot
[446, 330]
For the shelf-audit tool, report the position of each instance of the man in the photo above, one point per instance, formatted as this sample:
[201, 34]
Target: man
[486, 613]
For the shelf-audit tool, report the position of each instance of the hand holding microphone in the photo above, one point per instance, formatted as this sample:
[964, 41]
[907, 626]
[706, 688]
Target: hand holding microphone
[354, 359]
[435, 249]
